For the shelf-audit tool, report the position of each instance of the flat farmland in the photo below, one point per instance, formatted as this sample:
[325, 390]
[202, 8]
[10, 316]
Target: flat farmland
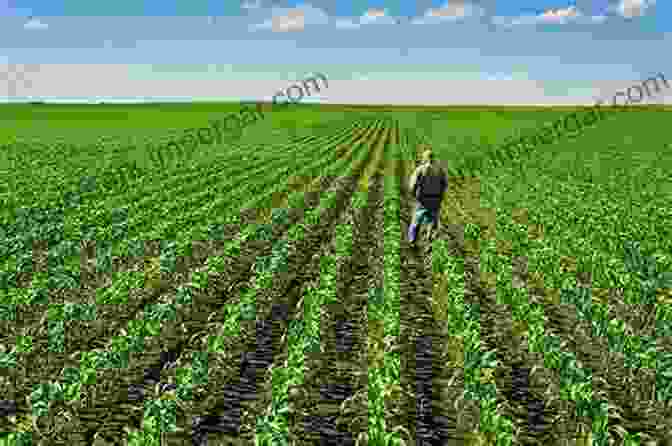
[262, 291]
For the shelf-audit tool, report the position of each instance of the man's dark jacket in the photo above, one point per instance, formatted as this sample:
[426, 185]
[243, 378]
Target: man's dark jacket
[428, 183]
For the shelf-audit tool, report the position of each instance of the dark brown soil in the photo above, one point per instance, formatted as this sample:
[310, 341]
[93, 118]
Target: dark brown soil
[331, 405]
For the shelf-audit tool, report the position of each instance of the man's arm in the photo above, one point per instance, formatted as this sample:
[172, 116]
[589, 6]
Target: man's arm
[444, 184]
[414, 180]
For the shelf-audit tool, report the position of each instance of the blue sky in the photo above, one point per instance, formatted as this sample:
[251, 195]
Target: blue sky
[394, 52]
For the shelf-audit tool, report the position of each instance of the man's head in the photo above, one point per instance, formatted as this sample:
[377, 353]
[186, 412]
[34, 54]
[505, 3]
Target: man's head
[428, 155]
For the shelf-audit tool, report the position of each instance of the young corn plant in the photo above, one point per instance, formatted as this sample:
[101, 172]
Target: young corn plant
[266, 267]
[462, 325]
[307, 165]
[383, 315]
[272, 427]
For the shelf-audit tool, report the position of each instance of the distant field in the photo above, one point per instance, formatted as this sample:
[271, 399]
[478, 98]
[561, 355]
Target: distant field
[263, 289]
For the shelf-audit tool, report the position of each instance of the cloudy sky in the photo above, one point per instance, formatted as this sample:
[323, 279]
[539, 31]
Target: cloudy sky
[392, 52]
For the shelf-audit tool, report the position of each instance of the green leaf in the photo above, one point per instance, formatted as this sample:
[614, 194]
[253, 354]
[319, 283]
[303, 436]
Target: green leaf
[633, 258]
[24, 344]
[8, 312]
[664, 280]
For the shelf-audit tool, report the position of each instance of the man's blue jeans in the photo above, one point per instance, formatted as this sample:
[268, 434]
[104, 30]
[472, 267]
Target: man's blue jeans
[422, 216]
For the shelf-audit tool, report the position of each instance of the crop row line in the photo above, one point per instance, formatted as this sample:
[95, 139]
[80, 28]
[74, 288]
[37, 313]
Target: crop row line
[247, 304]
[383, 307]
[138, 329]
[273, 423]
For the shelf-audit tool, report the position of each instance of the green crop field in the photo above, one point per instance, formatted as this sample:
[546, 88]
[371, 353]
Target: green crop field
[260, 290]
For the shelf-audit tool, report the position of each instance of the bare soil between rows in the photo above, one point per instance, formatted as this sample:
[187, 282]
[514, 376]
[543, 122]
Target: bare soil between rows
[117, 398]
[332, 404]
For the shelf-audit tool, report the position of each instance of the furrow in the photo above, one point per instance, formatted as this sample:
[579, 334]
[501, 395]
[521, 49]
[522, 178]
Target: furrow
[333, 401]
[432, 409]
[416, 334]
[223, 415]
[108, 321]
[236, 273]
[634, 408]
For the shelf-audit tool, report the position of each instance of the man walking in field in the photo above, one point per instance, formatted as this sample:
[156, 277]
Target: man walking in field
[428, 184]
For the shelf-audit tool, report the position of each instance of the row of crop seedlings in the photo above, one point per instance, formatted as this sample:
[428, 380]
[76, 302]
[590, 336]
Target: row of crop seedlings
[16, 250]
[383, 305]
[279, 216]
[71, 311]
[303, 333]
[258, 190]
[61, 275]
[89, 222]
[261, 197]
[212, 192]
[115, 354]
[38, 224]
[204, 214]
[303, 337]
[311, 218]
[265, 268]
[189, 180]
[117, 294]
[112, 179]
[264, 184]
[576, 382]
[462, 322]
[638, 351]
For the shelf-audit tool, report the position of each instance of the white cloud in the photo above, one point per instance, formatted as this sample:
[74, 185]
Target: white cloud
[376, 16]
[35, 24]
[559, 16]
[451, 11]
[370, 17]
[633, 8]
[293, 19]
